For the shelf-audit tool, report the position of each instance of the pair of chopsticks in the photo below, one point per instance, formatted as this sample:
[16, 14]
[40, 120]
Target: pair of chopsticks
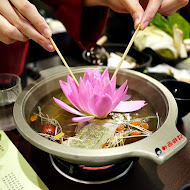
[119, 65]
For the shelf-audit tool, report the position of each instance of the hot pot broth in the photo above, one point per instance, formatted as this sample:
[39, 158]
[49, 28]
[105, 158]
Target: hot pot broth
[50, 109]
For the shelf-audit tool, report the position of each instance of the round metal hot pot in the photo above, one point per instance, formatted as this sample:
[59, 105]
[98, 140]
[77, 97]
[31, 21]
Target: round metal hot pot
[159, 147]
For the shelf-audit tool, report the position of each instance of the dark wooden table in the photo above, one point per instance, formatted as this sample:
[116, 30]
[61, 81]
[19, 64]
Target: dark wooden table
[145, 174]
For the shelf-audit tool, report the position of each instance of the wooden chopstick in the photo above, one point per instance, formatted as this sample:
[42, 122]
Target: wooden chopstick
[126, 51]
[102, 40]
[63, 60]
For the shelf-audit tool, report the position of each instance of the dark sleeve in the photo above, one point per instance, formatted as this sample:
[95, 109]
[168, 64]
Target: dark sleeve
[84, 25]
[13, 57]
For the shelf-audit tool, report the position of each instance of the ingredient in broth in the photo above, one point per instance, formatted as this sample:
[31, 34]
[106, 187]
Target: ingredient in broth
[92, 135]
[48, 128]
[118, 130]
[33, 118]
[110, 133]
[107, 117]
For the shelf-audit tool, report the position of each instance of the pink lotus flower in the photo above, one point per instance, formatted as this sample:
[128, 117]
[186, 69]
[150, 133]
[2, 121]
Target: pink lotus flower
[96, 96]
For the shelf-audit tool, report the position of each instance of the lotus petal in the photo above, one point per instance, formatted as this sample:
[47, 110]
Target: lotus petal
[67, 107]
[92, 103]
[105, 74]
[103, 106]
[96, 96]
[120, 89]
[108, 89]
[65, 87]
[105, 77]
[113, 83]
[130, 106]
[98, 88]
[71, 95]
[85, 92]
[96, 73]
[87, 75]
[73, 99]
[119, 99]
[126, 97]
[82, 119]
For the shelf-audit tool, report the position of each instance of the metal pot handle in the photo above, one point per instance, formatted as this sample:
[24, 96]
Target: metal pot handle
[162, 144]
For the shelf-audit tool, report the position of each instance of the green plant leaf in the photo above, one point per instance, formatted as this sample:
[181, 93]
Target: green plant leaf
[162, 23]
[166, 24]
[183, 24]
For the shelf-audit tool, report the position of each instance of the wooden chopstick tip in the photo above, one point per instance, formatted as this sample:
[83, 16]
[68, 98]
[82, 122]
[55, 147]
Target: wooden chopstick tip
[64, 61]
[138, 26]
[126, 51]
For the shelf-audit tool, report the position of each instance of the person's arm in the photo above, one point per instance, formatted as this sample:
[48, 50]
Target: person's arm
[20, 20]
[142, 11]
[84, 24]
[12, 57]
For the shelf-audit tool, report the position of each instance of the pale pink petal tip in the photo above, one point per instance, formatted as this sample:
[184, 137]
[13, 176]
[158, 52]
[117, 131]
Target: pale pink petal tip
[82, 119]
[130, 106]
[126, 97]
